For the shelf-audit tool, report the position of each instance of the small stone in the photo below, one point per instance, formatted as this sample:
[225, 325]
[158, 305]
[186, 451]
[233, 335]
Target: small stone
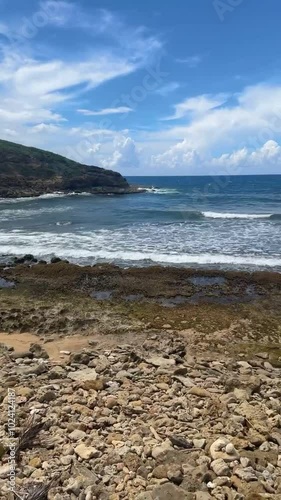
[35, 462]
[161, 362]
[200, 392]
[168, 491]
[110, 402]
[86, 452]
[77, 435]
[220, 467]
[4, 471]
[174, 474]
[241, 394]
[47, 397]
[159, 450]
[245, 462]
[160, 472]
[218, 450]
[199, 443]
[230, 450]
[66, 460]
[82, 375]
[246, 474]
[262, 355]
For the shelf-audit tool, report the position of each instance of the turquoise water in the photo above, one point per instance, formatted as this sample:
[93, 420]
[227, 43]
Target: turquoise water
[220, 222]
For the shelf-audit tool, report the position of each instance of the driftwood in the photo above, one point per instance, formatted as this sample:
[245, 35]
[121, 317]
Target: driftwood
[28, 435]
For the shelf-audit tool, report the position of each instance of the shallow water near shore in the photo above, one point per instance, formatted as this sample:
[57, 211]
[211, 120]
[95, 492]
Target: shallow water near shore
[205, 222]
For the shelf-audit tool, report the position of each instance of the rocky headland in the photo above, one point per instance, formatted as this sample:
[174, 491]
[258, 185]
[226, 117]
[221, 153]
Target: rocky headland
[27, 171]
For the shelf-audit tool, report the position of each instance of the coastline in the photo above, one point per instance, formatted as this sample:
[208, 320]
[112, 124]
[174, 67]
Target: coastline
[22, 194]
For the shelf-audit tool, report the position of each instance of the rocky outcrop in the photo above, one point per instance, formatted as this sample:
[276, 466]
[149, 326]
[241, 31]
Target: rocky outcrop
[26, 171]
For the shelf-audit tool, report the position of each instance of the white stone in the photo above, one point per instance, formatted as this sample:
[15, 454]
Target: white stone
[86, 452]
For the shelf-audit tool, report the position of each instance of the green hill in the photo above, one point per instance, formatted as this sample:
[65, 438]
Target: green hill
[26, 171]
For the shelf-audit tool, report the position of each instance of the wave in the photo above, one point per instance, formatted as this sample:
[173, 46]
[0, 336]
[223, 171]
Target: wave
[82, 256]
[46, 196]
[189, 215]
[14, 214]
[219, 215]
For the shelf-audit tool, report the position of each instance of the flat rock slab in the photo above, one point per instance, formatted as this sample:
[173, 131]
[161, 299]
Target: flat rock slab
[83, 375]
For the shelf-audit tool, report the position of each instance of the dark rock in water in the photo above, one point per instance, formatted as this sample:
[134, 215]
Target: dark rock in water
[18, 260]
[55, 260]
[26, 171]
[29, 257]
[42, 262]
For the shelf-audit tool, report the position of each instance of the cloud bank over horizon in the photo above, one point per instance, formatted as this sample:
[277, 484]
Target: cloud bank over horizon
[102, 87]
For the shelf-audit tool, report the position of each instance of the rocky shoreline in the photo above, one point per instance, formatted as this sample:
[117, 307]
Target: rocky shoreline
[42, 191]
[136, 393]
[150, 423]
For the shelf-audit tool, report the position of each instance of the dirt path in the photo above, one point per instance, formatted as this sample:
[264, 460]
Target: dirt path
[72, 343]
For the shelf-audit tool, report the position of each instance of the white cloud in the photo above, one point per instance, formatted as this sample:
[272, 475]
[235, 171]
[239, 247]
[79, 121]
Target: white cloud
[125, 155]
[187, 161]
[197, 105]
[105, 111]
[45, 127]
[247, 120]
[270, 152]
[33, 90]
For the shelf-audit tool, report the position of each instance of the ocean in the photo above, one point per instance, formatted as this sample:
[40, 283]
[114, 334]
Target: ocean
[213, 222]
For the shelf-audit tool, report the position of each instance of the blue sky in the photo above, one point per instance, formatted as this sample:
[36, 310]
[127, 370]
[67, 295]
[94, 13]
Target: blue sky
[146, 88]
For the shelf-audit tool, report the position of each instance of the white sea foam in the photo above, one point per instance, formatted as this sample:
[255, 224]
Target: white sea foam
[14, 214]
[111, 246]
[155, 190]
[46, 196]
[219, 215]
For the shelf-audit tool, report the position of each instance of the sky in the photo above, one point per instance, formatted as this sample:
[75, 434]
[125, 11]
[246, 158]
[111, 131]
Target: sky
[190, 87]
